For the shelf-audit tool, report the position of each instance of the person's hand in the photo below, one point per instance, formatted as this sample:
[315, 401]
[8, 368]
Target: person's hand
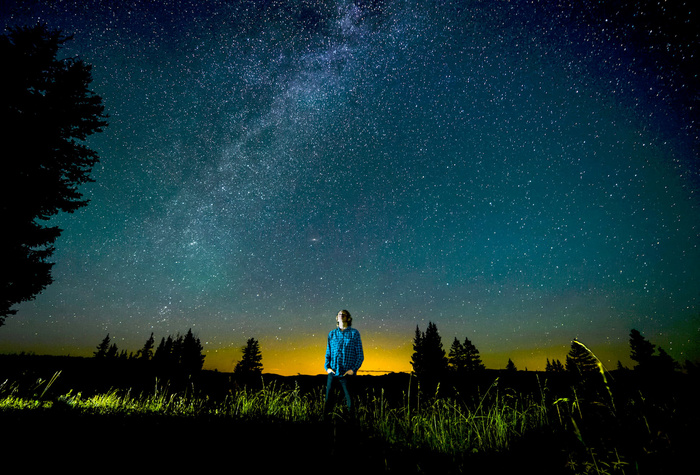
[349, 373]
[329, 371]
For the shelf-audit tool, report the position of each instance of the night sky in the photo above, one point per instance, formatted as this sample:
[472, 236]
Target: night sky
[519, 173]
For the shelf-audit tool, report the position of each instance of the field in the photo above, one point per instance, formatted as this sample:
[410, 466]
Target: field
[70, 413]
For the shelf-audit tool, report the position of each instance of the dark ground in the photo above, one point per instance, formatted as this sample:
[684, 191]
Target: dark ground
[59, 439]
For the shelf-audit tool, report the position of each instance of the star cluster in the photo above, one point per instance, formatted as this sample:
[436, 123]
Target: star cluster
[519, 172]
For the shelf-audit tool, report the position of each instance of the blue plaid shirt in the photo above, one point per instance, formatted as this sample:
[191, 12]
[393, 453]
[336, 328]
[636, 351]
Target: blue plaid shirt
[344, 351]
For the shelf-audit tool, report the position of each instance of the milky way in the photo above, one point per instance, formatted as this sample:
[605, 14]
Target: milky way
[521, 173]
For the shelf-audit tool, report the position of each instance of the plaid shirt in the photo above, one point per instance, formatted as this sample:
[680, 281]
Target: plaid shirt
[344, 351]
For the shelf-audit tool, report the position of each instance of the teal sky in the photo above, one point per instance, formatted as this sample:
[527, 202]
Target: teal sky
[519, 173]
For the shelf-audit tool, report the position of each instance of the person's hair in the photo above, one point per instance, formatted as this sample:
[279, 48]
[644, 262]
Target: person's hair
[345, 312]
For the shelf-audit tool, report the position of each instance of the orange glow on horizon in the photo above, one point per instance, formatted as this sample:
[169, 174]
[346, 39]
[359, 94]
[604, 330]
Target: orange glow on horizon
[307, 357]
[394, 356]
[383, 354]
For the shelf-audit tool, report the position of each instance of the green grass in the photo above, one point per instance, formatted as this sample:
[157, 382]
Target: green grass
[450, 427]
[591, 429]
[443, 425]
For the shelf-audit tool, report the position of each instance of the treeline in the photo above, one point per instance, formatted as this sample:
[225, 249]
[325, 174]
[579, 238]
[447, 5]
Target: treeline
[432, 364]
[179, 354]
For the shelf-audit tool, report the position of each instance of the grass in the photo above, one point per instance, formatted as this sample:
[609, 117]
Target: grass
[591, 427]
[447, 426]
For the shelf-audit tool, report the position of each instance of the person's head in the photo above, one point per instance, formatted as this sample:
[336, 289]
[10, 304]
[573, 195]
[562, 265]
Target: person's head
[344, 318]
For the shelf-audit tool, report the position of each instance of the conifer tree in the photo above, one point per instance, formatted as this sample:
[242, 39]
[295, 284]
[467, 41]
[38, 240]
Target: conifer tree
[429, 359]
[46, 113]
[112, 352]
[473, 359]
[642, 351]
[146, 353]
[192, 359]
[555, 366]
[417, 358]
[464, 357]
[160, 355]
[456, 357]
[251, 361]
[102, 348]
[579, 361]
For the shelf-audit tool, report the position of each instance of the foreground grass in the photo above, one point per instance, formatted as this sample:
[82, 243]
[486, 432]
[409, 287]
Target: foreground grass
[587, 431]
[451, 427]
[259, 405]
[443, 425]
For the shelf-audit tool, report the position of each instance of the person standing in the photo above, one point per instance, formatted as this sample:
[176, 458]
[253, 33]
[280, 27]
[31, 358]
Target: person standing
[344, 356]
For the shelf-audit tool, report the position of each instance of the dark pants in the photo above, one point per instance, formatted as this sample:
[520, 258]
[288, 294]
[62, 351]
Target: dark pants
[343, 381]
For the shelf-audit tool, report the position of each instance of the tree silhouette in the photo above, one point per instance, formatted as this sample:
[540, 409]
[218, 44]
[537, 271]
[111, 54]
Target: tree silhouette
[179, 355]
[102, 348]
[554, 367]
[510, 366]
[46, 113]
[251, 362]
[456, 359]
[417, 359]
[174, 358]
[146, 353]
[163, 356]
[464, 357]
[579, 361]
[112, 351]
[192, 359]
[642, 350]
[429, 360]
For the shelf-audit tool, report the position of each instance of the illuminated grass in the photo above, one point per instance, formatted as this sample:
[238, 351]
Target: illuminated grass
[269, 403]
[591, 428]
[447, 426]
[442, 425]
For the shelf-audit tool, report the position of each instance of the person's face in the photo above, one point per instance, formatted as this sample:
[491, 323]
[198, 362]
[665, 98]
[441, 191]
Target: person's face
[342, 320]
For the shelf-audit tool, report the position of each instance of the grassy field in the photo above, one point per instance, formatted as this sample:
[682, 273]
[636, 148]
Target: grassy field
[497, 423]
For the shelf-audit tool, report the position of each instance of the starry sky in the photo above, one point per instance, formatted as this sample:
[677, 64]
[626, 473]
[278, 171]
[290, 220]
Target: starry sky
[520, 173]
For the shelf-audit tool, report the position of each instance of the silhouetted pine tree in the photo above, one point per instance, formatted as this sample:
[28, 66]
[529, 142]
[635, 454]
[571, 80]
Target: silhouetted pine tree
[456, 357]
[642, 351]
[179, 354]
[192, 359]
[251, 361]
[579, 362]
[146, 353]
[417, 359]
[510, 366]
[161, 354]
[102, 348]
[554, 367]
[46, 113]
[429, 360]
[112, 352]
[473, 359]
[464, 358]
